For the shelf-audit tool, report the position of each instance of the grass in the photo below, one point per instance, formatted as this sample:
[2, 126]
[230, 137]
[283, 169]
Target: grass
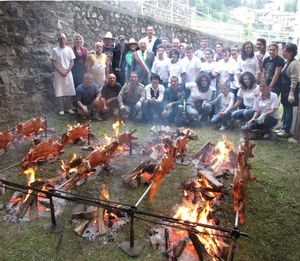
[272, 216]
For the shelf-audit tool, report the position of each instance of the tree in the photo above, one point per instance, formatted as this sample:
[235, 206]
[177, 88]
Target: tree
[291, 6]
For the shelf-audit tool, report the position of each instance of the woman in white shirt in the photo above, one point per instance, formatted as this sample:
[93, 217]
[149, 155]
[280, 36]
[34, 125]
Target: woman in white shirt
[174, 65]
[209, 66]
[246, 95]
[266, 111]
[248, 62]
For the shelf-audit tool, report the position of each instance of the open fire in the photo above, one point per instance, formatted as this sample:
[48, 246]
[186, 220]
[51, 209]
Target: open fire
[202, 195]
[92, 222]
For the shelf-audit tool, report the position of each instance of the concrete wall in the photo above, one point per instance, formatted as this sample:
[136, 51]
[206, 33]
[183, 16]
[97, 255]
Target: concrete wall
[28, 34]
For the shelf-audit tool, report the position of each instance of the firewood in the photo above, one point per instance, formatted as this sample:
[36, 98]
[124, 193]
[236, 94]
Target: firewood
[102, 196]
[30, 200]
[209, 175]
[179, 247]
[200, 249]
[2, 189]
[81, 227]
[84, 212]
[204, 149]
[136, 172]
[154, 242]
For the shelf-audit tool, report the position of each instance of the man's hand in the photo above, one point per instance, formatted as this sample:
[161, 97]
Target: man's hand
[291, 97]
[204, 104]
[85, 110]
[222, 114]
[153, 100]
[261, 118]
[138, 105]
[169, 105]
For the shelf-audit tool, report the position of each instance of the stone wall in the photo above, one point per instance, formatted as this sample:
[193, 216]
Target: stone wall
[28, 34]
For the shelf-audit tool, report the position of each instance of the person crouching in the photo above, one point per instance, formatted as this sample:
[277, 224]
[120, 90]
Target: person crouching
[224, 103]
[200, 91]
[88, 97]
[153, 104]
[131, 97]
[266, 112]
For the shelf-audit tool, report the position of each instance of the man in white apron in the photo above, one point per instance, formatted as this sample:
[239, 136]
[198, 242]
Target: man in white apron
[62, 58]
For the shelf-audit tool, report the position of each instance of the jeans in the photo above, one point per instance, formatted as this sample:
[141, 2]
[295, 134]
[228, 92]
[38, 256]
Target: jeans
[245, 114]
[217, 119]
[193, 113]
[268, 124]
[287, 118]
[149, 109]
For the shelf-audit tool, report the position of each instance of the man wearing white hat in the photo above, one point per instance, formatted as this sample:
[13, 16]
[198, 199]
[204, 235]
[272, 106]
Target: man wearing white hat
[132, 44]
[108, 48]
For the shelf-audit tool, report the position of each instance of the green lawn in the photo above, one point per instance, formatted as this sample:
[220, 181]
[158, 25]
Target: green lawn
[272, 216]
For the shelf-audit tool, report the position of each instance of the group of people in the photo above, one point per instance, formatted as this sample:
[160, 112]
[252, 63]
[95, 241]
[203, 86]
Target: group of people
[166, 80]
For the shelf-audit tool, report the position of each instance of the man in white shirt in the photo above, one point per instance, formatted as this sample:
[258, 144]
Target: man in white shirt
[203, 45]
[62, 58]
[191, 65]
[160, 66]
[151, 40]
[153, 104]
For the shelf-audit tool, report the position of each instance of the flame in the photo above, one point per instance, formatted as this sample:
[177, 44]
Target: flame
[66, 167]
[104, 193]
[71, 127]
[199, 213]
[107, 139]
[116, 126]
[30, 172]
[221, 158]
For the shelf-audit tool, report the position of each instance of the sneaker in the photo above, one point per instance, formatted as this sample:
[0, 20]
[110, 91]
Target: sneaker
[292, 140]
[222, 128]
[61, 113]
[267, 136]
[283, 134]
[71, 111]
[278, 130]
[245, 127]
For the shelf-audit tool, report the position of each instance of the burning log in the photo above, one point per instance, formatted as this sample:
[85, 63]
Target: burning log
[200, 249]
[210, 176]
[179, 248]
[84, 212]
[104, 195]
[161, 170]
[204, 149]
[31, 198]
[241, 177]
[80, 132]
[5, 138]
[30, 127]
[137, 171]
[81, 227]
[43, 151]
